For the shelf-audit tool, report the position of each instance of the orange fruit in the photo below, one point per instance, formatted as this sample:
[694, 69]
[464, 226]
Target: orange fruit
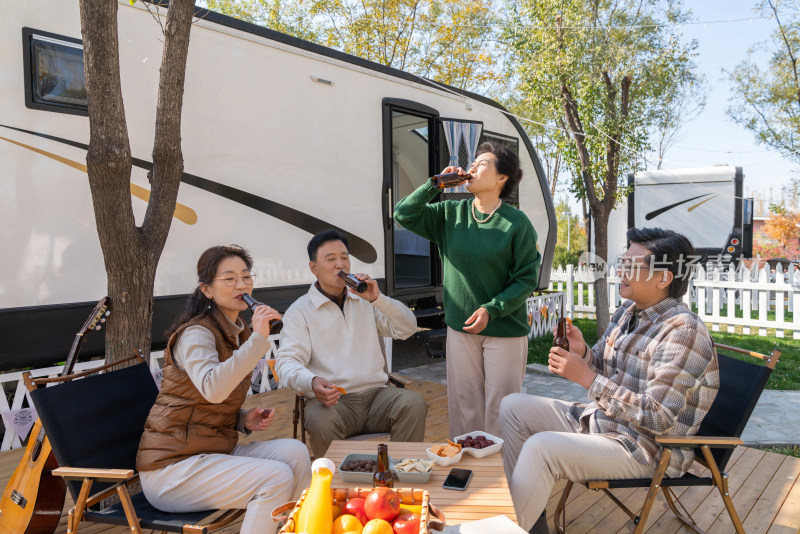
[336, 510]
[377, 526]
[346, 523]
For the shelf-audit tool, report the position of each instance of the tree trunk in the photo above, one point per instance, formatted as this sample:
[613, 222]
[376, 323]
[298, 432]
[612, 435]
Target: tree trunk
[586, 223]
[601, 299]
[131, 253]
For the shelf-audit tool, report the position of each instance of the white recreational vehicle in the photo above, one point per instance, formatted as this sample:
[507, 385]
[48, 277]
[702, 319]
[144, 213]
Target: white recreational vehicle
[705, 204]
[281, 138]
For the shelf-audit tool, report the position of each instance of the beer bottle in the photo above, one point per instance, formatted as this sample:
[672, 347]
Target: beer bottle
[561, 334]
[383, 476]
[275, 325]
[352, 281]
[450, 179]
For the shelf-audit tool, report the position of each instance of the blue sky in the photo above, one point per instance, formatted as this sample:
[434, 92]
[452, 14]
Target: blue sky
[713, 138]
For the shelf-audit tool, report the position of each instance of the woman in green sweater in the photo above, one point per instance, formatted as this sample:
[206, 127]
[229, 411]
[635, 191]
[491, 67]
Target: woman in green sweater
[491, 265]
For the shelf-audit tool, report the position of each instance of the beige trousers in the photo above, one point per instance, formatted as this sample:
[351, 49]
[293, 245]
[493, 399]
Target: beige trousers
[258, 476]
[481, 370]
[385, 409]
[540, 448]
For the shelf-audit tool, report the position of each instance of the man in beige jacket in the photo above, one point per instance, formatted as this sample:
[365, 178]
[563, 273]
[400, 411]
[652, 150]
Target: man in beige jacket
[331, 340]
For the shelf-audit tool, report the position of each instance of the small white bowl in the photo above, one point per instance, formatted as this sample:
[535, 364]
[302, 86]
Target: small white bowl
[445, 460]
[481, 453]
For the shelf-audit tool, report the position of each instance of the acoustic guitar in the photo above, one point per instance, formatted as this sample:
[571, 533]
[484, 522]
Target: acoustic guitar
[33, 499]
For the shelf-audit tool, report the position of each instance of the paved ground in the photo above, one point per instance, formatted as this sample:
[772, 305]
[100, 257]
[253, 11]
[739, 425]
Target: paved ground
[775, 421]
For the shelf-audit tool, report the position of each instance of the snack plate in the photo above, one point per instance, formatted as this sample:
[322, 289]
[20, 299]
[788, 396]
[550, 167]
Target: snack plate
[445, 460]
[355, 477]
[481, 453]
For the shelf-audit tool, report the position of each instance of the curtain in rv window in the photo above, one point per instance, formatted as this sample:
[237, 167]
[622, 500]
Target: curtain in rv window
[461, 135]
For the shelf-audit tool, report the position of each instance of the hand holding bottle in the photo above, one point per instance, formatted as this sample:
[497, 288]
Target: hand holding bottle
[371, 292]
[575, 337]
[263, 312]
[450, 177]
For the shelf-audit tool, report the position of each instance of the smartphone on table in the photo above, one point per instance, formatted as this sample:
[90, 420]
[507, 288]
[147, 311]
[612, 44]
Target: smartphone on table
[457, 479]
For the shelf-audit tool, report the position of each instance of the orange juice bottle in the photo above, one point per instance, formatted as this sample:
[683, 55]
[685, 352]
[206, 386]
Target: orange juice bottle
[316, 513]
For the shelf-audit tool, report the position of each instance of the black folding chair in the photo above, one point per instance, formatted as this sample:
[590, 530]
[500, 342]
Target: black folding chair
[94, 425]
[741, 384]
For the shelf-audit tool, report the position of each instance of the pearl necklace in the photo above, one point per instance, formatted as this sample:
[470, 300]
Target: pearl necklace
[490, 215]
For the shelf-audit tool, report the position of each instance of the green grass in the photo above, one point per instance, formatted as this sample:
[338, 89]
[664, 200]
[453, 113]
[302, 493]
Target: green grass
[786, 375]
[788, 316]
[786, 451]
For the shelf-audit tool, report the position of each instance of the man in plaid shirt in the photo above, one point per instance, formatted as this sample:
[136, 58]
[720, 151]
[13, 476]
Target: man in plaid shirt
[654, 372]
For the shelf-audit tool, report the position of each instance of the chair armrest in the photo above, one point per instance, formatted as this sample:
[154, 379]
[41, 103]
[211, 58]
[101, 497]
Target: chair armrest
[104, 475]
[696, 441]
[399, 381]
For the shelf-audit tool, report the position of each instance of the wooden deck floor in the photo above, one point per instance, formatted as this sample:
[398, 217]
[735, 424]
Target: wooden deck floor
[765, 486]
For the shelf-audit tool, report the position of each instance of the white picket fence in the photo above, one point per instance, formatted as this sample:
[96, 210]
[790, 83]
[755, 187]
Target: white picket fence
[756, 300]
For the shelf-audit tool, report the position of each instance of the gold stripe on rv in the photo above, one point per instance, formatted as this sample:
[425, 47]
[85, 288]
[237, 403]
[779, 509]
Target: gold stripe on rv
[182, 213]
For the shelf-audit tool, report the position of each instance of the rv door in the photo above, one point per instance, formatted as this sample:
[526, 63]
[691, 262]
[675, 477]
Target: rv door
[410, 139]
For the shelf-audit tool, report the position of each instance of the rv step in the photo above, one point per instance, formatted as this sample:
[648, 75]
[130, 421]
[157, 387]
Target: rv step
[428, 312]
[436, 337]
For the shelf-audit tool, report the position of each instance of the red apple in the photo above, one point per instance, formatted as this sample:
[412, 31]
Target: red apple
[382, 503]
[406, 523]
[355, 506]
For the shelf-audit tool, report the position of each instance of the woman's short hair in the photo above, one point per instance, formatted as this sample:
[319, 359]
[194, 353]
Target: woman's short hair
[506, 162]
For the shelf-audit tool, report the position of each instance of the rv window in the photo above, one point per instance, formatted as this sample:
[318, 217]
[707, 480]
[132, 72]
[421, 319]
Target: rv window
[499, 139]
[511, 143]
[56, 73]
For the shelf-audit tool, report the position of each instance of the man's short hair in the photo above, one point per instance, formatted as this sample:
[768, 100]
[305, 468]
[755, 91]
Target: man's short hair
[669, 251]
[322, 238]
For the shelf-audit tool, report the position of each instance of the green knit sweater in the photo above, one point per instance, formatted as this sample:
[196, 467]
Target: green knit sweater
[494, 265]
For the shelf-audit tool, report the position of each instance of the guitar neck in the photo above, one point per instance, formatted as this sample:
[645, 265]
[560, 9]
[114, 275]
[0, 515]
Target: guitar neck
[73, 355]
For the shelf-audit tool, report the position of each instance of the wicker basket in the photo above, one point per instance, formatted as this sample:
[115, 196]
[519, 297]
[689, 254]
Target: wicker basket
[431, 517]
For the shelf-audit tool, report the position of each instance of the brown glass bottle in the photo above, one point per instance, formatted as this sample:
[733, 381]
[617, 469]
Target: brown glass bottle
[275, 326]
[561, 334]
[352, 281]
[383, 476]
[450, 179]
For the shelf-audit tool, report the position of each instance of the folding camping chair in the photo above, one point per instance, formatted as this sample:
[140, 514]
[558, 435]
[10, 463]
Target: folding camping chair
[741, 384]
[94, 425]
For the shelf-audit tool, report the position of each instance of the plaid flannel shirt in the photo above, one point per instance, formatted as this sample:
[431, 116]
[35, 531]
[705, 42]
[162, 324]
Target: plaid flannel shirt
[658, 379]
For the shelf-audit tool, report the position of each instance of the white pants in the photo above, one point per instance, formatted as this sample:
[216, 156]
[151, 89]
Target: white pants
[540, 448]
[481, 370]
[258, 476]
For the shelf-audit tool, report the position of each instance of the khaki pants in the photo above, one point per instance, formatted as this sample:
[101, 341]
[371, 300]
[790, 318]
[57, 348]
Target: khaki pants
[481, 370]
[540, 448]
[258, 476]
[385, 409]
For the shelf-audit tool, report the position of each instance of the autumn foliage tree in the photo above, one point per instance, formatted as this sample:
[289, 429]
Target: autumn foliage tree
[450, 41]
[597, 72]
[766, 101]
[783, 227]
